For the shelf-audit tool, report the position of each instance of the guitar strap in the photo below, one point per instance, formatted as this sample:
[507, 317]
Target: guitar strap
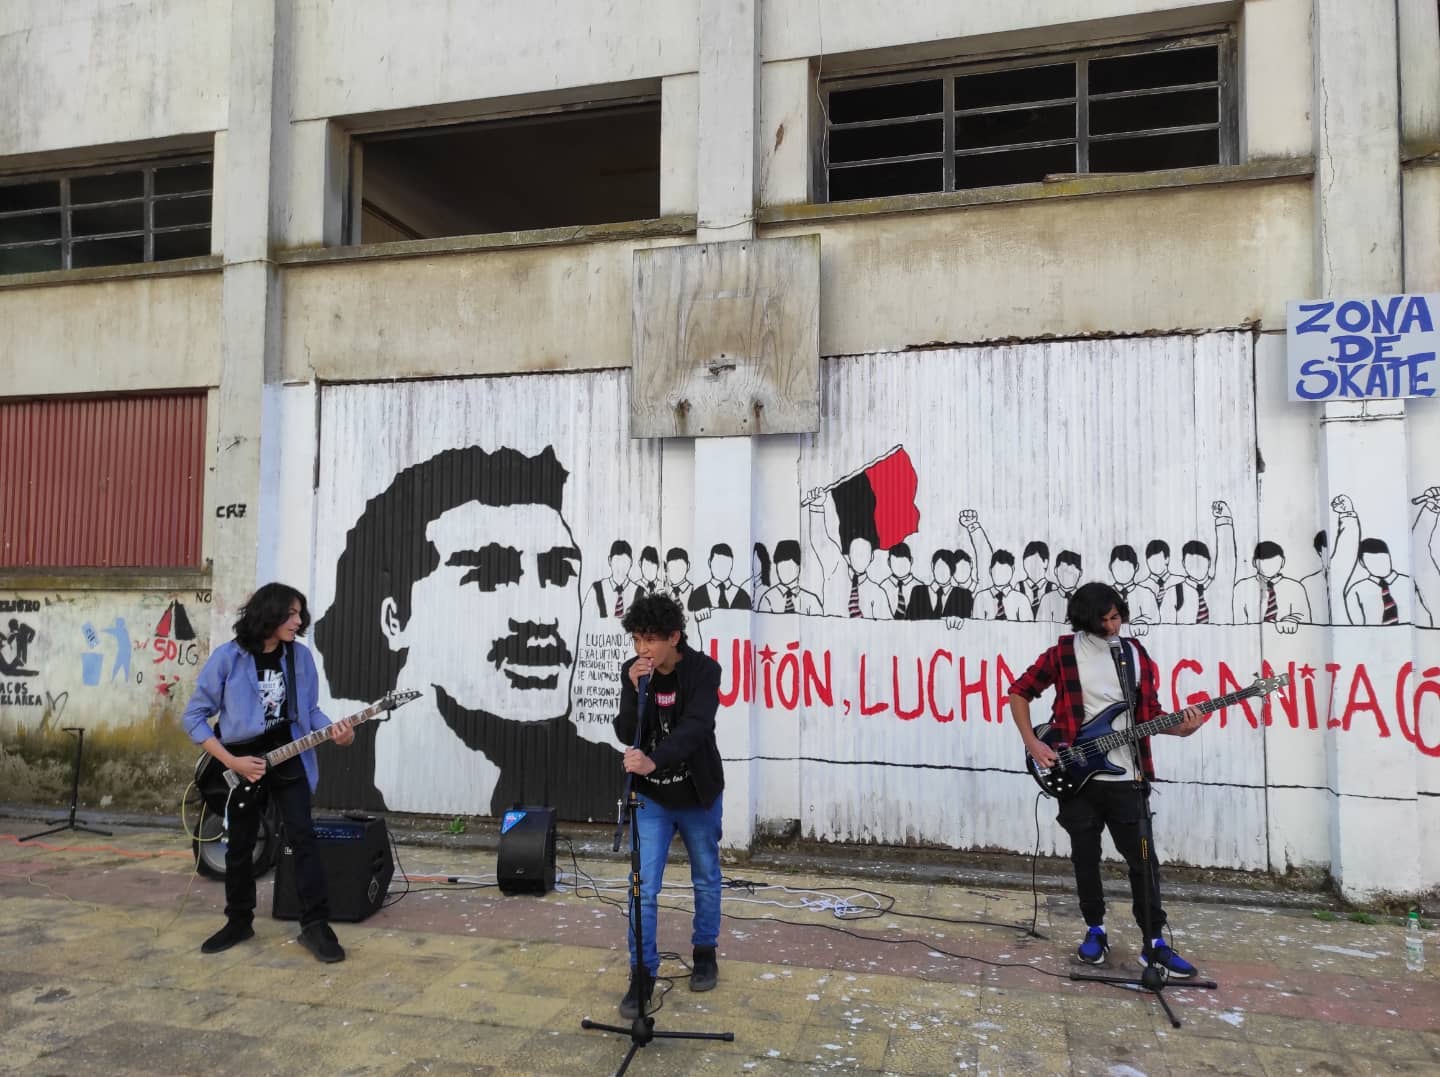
[287, 664]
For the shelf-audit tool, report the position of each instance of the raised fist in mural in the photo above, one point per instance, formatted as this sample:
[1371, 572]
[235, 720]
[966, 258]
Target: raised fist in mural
[814, 497]
[1140, 628]
[1288, 626]
[1342, 504]
[969, 519]
[956, 623]
[1430, 498]
[703, 613]
[1221, 511]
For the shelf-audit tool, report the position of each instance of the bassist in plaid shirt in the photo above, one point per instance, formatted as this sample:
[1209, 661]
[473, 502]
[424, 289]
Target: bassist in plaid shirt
[1082, 671]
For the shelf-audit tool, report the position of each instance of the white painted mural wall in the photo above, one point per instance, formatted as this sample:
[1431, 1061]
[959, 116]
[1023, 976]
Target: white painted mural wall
[897, 732]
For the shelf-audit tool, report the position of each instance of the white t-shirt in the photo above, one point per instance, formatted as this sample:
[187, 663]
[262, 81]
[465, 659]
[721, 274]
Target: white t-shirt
[1100, 686]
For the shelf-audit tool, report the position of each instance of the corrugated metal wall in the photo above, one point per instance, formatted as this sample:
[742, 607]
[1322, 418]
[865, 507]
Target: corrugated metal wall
[445, 511]
[102, 482]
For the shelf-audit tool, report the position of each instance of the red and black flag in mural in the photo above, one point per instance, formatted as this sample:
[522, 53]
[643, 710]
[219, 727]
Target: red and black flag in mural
[877, 502]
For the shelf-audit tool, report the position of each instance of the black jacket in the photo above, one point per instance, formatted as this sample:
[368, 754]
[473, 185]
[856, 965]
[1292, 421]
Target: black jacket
[692, 737]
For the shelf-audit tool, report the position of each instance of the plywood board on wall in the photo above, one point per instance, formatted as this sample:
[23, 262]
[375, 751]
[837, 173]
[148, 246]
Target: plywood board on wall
[726, 339]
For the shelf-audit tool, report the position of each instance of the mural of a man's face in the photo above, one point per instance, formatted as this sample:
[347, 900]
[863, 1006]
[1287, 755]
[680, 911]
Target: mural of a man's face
[494, 623]
[861, 553]
[1269, 568]
[1158, 564]
[620, 566]
[963, 570]
[1034, 568]
[899, 566]
[1002, 573]
[941, 571]
[1197, 566]
[649, 570]
[1067, 574]
[787, 572]
[720, 565]
[676, 571]
[1377, 564]
[1122, 572]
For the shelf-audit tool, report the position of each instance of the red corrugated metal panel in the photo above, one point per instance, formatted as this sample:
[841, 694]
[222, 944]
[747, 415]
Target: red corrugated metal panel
[106, 482]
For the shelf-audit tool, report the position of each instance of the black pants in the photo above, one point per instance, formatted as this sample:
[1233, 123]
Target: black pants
[1120, 807]
[287, 786]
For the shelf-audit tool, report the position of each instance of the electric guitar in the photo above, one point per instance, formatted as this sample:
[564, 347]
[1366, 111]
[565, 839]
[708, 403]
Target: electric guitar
[227, 793]
[1077, 763]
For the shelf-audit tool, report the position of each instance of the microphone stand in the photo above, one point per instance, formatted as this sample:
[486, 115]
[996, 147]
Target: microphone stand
[1153, 979]
[642, 1029]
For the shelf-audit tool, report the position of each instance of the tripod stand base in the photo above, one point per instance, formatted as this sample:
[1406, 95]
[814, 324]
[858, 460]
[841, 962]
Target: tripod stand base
[67, 825]
[642, 1031]
[1143, 983]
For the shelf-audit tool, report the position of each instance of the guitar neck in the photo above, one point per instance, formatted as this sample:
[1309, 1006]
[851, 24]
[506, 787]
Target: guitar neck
[1167, 721]
[305, 743]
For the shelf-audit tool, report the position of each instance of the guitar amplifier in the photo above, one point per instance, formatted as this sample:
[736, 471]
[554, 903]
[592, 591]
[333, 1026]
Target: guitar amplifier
[355, 853]
[526, 864]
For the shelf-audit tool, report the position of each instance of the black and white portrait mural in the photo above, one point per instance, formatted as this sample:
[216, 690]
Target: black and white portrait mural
[462, 539]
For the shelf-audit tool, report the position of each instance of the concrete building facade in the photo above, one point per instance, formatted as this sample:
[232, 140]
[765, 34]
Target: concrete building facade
[1056, 242]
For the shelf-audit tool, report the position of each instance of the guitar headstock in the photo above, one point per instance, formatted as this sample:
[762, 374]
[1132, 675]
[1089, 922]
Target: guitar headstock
[397, 699]
[1265, 685]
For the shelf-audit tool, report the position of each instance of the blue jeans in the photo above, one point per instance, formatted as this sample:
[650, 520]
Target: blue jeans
[700, 831]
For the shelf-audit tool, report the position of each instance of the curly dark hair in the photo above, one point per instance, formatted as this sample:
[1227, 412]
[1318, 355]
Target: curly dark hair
[265, 611]
[654, 615]
[1089, 605]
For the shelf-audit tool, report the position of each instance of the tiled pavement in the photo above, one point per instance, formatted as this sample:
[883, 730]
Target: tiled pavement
[100, 972]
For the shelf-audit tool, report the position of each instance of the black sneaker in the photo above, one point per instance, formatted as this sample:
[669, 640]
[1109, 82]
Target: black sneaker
[706, 972]
[234, 931]
[321, 941]
[630, 1004]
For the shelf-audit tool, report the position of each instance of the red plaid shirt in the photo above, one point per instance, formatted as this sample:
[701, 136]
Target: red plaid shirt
[1057, 668]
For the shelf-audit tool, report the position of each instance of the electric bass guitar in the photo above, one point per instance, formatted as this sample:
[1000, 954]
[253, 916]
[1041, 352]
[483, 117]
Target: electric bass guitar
[227, 793]
[1077, 763]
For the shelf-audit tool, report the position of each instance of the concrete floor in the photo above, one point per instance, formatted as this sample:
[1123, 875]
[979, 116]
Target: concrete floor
[101, 972]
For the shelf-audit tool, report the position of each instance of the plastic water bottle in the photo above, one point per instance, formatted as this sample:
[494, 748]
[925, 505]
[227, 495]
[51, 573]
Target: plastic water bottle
[1414, 945]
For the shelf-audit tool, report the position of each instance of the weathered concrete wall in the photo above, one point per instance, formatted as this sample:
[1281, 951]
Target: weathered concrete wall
[88, 73]
[121, 664]
[122, 335]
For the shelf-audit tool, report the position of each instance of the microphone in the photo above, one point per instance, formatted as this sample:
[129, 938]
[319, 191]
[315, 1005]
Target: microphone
[644, 684]
[1115, 644]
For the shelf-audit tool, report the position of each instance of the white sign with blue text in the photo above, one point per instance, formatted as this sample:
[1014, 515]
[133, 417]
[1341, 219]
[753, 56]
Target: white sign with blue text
[1378, 347]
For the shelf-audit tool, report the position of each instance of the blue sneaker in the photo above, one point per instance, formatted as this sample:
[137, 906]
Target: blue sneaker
[1092, 951]
[1158, 953]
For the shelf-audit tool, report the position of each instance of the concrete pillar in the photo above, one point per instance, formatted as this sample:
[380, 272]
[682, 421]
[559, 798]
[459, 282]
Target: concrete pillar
[255, 154]
[1359, 252]
[1419, 28]
[726, 187]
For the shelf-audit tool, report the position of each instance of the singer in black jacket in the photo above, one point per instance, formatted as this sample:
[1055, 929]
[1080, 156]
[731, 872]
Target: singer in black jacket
[1082, 670]
[679, 780]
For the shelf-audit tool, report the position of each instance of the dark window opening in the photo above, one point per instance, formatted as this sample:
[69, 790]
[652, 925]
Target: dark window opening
[117, 215]
[1122, 109]
[591, 166]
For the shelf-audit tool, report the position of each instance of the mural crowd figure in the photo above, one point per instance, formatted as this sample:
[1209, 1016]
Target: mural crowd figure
[719, 591]
[615, 594]
[477, 539]
[844, 556]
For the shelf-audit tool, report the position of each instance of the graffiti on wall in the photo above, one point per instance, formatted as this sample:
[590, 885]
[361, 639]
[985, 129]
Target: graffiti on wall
[17, 636]
[484, 548]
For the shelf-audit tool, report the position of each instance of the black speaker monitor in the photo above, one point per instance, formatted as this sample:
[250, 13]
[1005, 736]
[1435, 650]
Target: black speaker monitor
[355, 853]
[526, 864]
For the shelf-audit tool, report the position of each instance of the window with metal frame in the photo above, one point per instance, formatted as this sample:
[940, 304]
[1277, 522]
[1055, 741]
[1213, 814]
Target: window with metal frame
[1130, 108]
[115, 215]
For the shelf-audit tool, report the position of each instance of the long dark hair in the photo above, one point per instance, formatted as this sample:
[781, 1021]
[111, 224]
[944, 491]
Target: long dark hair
[268, 609]
[1091, 603]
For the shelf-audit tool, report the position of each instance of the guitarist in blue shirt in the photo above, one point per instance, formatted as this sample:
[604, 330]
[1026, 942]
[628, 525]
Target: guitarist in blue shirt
[263, 690]
[1082, 671]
